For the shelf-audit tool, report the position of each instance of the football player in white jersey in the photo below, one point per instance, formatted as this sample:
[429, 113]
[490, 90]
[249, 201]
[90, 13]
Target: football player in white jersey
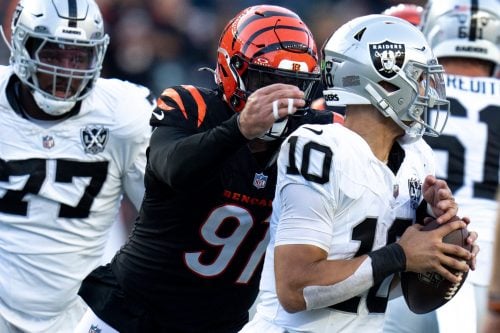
[71, 145]
[464, 36]
[345, 194]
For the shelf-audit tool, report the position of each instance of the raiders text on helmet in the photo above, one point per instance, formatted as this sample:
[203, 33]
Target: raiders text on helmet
[463, 28]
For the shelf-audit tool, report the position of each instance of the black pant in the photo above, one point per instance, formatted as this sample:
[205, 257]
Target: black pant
[108, 301]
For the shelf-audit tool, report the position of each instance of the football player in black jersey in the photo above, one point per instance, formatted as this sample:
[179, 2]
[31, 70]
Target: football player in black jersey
[193, 260]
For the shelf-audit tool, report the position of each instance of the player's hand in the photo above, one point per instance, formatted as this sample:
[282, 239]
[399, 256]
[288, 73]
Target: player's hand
[438, 195]
[426, 252]
[472, 241]
[258, 116]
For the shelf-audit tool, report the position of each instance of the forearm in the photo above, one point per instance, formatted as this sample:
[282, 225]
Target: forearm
[305, 278]
[184, 160]
[316, 297]
[307, 282]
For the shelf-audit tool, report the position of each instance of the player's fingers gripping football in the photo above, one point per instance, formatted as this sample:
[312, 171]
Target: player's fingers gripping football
[439, 196]
[471, 239]
[266, 105]
[425, 251]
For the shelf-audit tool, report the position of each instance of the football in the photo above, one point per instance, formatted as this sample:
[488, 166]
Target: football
[425, 292]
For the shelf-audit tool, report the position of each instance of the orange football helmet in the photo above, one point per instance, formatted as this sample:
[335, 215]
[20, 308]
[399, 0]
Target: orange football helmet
[263, 45]
[407, 11]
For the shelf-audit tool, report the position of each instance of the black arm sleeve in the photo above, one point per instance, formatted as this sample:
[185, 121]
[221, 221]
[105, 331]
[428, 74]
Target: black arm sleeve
[182, 159]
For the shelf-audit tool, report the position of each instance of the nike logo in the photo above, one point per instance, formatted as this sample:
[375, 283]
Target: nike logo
[419, 49]
[159, 116]
[317, 132]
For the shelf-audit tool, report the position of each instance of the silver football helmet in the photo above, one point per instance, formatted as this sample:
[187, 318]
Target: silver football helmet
[63, 42]
[463, 28]
[386, 62]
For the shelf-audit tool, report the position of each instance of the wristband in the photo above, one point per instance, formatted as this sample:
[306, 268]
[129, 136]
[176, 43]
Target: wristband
[494, 303]
[386, 261]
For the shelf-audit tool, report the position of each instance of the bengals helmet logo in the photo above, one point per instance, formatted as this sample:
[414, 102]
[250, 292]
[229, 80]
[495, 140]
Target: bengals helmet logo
[387, 58]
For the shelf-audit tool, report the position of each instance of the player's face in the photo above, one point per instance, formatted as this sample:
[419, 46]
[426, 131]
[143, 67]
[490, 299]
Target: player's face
[62, 61]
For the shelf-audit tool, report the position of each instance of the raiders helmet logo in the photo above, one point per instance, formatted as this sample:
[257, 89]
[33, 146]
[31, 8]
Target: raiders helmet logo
[415, 192]
[94, 139]
[387, 58]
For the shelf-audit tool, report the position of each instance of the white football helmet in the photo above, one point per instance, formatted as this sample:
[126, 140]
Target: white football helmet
[42, 31]
[386, 62]
[463, 28]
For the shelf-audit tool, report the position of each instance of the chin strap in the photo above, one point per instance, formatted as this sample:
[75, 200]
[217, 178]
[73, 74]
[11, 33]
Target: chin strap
[52, 107]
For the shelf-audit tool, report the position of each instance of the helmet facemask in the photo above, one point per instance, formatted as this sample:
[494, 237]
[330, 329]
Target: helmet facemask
[424, 90]
[57, 60]
[258, 76]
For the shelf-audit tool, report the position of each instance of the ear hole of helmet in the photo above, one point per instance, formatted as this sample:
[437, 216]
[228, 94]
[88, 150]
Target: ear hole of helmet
[236, 101]
[389, 87]
[237, 62]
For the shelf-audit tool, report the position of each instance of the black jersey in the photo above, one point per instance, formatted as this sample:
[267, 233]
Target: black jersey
[196, 251]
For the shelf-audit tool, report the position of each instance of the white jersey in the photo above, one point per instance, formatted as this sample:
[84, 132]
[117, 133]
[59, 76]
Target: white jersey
[468, 154]
[369, 206]
[60, 189]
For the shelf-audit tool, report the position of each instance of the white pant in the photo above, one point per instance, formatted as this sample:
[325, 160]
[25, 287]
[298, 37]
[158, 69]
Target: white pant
[459, 315]
[260, 325]
[90, 323]
[400, 319]
[64, 323]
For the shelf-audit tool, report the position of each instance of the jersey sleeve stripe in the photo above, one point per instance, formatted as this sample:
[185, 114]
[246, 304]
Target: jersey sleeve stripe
[200, 103]
[174, 95]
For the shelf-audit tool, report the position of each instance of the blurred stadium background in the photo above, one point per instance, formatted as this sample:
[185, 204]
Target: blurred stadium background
[159, 43]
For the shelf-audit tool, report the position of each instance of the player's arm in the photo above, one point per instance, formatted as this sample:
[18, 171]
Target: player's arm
[183, 158]
[183, 151]
[306, 280]
[305, 277]
[138, 133]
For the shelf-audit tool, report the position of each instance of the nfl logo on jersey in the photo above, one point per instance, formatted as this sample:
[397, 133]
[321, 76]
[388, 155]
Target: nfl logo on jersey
[94, 139]
[48, 142]
[260, 180]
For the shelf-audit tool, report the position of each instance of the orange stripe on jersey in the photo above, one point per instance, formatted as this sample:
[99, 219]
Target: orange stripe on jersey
[171, 93]
[200, 103]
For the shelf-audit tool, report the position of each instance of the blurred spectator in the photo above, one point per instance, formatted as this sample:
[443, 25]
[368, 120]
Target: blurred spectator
[160, 43]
